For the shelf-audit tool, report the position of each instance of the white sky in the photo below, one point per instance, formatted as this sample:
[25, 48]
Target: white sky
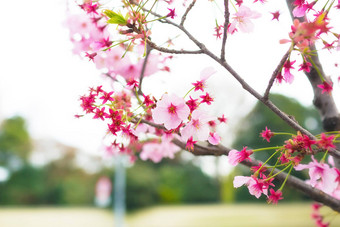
[42, 80]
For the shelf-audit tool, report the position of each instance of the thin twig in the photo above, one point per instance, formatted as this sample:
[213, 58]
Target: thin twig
[184, 17]
[141, 77]
[225, 28]
[276, 71]
[172, 51]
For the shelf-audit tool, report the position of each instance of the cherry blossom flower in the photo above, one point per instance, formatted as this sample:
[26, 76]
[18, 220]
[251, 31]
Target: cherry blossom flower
[327, 87]
[148, 101]
[288, 77]
[157, 151]
[305, 66]
[218, 32]
[100, 113]
[279, 77]
[259, 168]
[326, 142]
[262, 1]
[301, 8]
[235, 156]
[321, 175]
[171, 14]
[274, 196]
[316, 215]
[214, 138]
[132, 83]
[205, 74]
[267, 134]
[242, 20]
[255, 186]
[206, 98]
[192, 104]
[198, 126]
[276, 15]
[90, 56]
[190, 144]
[222, 119]
[338, 5]
[239, 2]
[106, 97]
[171, 110]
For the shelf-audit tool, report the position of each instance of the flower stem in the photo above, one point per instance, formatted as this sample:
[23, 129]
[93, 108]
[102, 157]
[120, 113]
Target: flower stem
[188, 92]
[266, 148]
[289, 165]
[317, 69]
[324, 156]
[284, 182]
[257, 172]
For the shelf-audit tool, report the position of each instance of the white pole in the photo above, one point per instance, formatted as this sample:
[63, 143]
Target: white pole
[119, 192]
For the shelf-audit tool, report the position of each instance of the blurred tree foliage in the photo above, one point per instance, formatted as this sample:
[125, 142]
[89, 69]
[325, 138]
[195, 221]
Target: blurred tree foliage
[62, 182]
[15, 142]
[169, 182]
[249, 130]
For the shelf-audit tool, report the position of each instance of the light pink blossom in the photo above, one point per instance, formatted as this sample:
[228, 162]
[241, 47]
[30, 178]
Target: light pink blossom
[321, 175]
[171, 110]
[256, 187]
[242, 20]
[198, 126]
[157, 151]
[214, 138]
[236, 156]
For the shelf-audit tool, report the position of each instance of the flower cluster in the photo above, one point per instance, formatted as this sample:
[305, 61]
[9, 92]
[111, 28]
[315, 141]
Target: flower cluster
[289, 156]
[176, 117]
[92, 38]
[317, 217]
[305, 34]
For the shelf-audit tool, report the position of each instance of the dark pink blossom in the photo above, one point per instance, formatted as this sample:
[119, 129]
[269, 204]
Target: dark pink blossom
[192, 104]
[235, 156]
[305, 66]
[222, 119]
[274, 196]
[327, 87]
[326, 142]
[288, 77]
[206, 98]
[190, 144]
[267, 134]
[276, 15]
[100, 113]
[172, 13]
[107, 97]
[90, 56]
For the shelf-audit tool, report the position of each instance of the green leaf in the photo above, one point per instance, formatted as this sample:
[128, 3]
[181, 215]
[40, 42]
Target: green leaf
[115, 18]
[109, 13]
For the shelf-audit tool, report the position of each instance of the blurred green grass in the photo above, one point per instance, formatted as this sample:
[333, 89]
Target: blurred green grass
[236, 215]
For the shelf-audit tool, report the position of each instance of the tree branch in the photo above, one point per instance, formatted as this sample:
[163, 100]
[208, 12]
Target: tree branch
[292, 181]
[325, 103]
[289, 120]
[172, 51]
[225, 28]
[141, 77]
[184, 17]
[274, 75]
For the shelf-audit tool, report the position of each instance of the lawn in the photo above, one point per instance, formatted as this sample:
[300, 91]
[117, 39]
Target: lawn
[247, 215]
